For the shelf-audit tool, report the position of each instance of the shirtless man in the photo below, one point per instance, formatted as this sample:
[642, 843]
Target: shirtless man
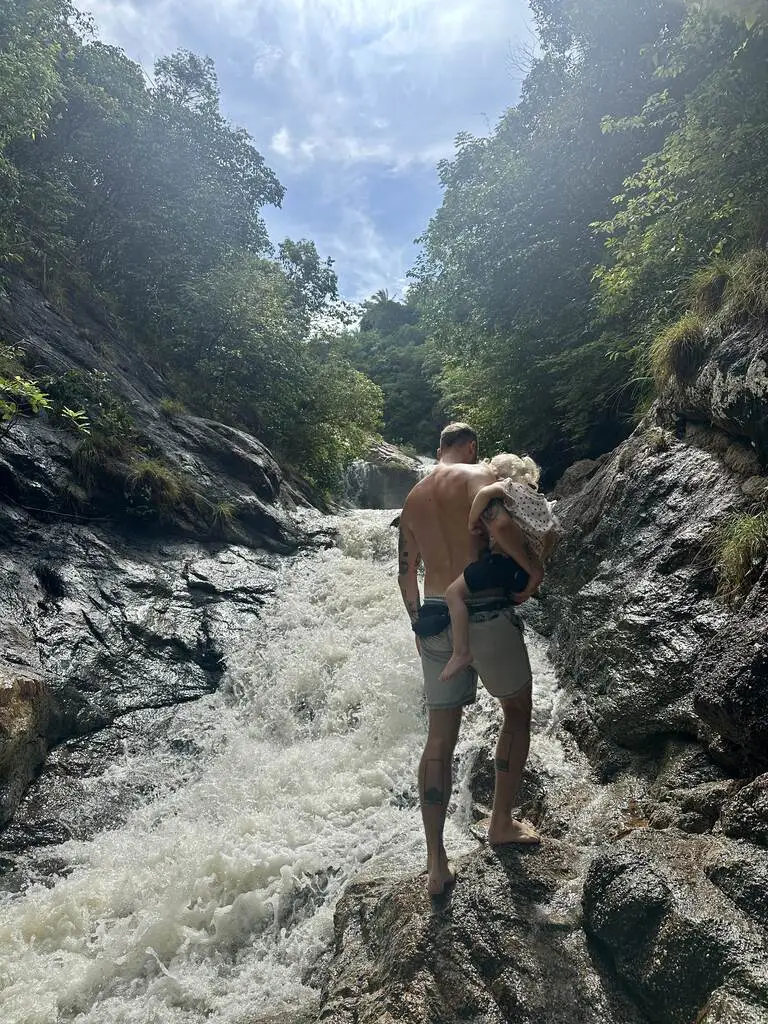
[433, 529]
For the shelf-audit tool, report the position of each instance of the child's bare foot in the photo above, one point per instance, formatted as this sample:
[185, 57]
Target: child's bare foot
[456, 664]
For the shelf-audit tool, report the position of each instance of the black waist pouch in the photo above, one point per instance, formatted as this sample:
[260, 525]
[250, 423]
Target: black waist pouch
[433, 619]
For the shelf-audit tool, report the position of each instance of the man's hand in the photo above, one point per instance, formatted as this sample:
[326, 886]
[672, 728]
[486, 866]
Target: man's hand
[534, 582]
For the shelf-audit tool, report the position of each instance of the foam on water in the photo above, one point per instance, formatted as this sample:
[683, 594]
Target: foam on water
[215, 896]
[211, 900]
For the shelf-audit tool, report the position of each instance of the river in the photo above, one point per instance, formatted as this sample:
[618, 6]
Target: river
[214, 898]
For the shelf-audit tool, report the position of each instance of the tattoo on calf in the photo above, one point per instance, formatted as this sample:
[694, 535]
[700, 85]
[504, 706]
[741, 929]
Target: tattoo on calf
[433, 793]
[503, 752]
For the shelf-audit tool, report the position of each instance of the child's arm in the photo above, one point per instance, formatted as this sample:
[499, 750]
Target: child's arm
[482, 500]
[508, 536]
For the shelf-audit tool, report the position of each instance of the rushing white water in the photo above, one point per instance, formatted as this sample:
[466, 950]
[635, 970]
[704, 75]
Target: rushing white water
[211, 901]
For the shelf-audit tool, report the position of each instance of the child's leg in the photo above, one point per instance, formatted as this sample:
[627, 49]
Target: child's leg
[456, 598]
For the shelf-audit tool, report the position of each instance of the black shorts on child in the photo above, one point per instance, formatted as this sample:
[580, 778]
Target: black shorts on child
[495, 572]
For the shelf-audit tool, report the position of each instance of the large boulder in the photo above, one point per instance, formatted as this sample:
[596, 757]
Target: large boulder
[383, 478]
[495, 953]
[729, 389]
[673, 932]
[630, 601]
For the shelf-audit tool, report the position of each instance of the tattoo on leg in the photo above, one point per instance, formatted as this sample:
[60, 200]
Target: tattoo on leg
[433, 783]
[503, 752]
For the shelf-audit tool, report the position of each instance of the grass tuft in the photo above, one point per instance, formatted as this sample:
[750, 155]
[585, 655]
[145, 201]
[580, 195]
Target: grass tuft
[152, 483]
[678, 352]
[746, 295]
[223, 514]
[171, 407]
[740, 554]
[705, 291]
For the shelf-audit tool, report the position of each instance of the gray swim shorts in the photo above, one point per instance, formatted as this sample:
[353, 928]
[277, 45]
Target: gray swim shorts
[498, 652]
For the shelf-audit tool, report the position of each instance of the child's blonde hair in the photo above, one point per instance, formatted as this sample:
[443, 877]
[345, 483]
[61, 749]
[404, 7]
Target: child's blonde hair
[521, 470]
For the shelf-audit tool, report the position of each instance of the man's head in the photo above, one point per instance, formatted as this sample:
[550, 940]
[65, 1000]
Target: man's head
[458, 443]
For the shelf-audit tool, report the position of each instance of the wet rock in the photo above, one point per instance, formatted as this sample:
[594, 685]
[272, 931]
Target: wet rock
[669, 932]
[731, 693]
[730, 388]
[109, 608]
[576, 476]
[383, 479]
[630, 601]
[25, 712]
[741, 872]
[746, 815]
[494, 953]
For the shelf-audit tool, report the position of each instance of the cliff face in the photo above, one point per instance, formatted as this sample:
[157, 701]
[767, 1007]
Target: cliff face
[107, 610]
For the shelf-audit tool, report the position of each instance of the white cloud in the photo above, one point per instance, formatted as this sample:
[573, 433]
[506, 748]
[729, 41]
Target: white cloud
[342, 93]
[266, 59]
[281, 143]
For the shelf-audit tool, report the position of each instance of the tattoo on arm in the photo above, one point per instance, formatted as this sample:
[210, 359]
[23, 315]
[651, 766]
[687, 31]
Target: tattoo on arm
[402, 553]
[494, 510]
[407, 560]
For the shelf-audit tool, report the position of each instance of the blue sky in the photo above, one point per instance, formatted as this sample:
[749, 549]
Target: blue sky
[352, 103]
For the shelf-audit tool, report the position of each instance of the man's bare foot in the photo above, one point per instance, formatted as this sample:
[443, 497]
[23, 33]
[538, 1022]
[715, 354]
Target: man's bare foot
[456, 664]
[441, 879]
[512, 831]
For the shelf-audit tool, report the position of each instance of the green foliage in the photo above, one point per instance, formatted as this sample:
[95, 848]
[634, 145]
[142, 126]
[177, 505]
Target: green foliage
[154, 486]
[140, 198]
[19, 396]
[86, 401]
[637, 155]
[11, 364]
[679, 350]
[741, 553]
[390, 348]
[171, 407]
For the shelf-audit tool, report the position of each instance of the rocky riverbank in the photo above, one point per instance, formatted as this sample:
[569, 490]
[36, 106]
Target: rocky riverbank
[646, 901]
[665, 690]
[110, 609]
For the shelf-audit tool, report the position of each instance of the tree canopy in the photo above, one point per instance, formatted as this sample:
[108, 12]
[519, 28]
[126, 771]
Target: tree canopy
[141, 197]
[636, 154]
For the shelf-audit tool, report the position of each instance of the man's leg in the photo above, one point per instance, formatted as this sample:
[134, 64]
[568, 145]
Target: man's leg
[511, 755]
[435, 782]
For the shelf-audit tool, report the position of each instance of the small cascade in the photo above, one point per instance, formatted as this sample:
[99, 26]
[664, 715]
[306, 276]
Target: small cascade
[384, 479]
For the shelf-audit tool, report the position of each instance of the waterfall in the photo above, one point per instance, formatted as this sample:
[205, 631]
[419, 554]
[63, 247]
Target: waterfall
[212, 901]
[384, 480]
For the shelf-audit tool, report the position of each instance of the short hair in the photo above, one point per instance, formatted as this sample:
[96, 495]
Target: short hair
[457, 433]
[512, 467]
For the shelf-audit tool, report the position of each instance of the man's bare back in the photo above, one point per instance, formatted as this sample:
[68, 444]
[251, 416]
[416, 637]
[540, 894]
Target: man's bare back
[434, 521]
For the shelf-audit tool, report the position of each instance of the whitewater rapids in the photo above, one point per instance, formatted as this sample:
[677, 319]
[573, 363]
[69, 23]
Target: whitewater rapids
[214, 898]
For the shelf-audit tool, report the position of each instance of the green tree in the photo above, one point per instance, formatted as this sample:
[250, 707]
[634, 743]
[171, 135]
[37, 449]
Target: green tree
[390, 348]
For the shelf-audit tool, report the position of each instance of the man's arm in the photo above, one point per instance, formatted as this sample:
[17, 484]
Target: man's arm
[508, 536]
[409, 558]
